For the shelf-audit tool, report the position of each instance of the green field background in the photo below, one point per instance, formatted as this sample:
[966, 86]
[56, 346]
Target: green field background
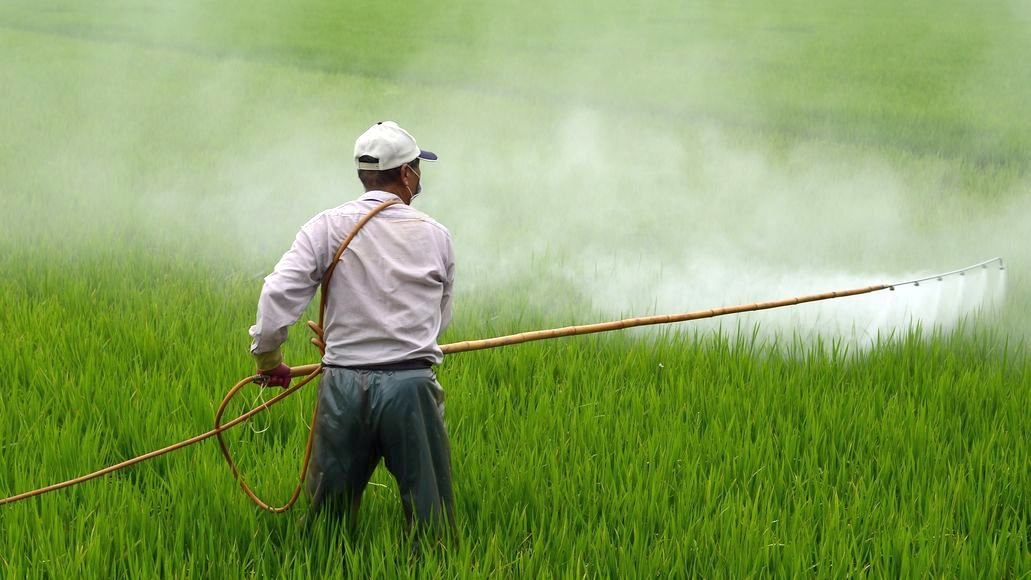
[158, 157]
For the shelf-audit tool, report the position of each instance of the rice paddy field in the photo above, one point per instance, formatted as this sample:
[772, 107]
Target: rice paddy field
[597, 160]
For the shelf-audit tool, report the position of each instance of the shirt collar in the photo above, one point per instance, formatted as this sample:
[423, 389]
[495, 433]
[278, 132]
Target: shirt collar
[380, 196]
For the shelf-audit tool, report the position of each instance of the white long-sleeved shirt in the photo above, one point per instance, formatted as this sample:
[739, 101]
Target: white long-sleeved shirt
[389, 298]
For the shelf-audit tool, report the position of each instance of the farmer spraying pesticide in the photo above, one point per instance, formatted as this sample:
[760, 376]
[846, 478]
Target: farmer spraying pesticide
[379, 321]
[384, 309]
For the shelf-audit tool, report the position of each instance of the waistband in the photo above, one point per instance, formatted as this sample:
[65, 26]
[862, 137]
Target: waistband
[405, 365]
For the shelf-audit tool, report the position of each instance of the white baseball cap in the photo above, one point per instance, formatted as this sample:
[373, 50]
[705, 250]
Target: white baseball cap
[390, 145]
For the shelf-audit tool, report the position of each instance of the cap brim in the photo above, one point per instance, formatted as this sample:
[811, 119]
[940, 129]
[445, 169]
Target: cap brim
[427, 155]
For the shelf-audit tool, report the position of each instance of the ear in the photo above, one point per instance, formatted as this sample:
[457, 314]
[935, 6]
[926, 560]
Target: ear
[406, 177]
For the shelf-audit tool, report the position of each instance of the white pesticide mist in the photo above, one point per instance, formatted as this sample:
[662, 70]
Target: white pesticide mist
[696, 223]
[595, 205]
[641, 210]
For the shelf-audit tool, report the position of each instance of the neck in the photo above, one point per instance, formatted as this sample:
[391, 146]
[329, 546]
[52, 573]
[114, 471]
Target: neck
[398, 190]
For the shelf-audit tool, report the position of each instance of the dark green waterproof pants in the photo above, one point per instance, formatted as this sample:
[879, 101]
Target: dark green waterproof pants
[397, 415]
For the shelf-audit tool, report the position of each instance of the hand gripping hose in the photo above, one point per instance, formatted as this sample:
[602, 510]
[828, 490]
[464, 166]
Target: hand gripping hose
[309, 372]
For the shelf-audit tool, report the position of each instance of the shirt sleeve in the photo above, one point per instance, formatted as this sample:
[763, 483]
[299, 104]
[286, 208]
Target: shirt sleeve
[287, 292]
[449, 282]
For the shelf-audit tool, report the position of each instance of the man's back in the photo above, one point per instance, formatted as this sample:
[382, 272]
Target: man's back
[390, 296]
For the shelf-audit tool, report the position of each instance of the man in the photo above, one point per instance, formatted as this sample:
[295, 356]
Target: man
[389, 301]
